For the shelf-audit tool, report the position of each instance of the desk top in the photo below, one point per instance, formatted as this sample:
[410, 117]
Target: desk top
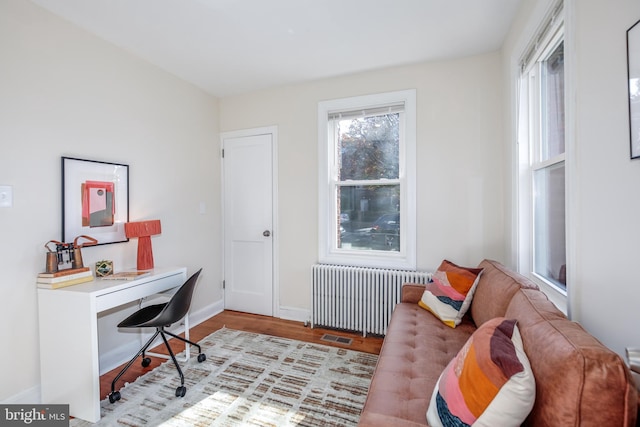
[111, 293]
[100, 286]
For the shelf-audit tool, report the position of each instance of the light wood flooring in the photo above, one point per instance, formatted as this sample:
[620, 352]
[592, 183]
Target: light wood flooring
[245, 322]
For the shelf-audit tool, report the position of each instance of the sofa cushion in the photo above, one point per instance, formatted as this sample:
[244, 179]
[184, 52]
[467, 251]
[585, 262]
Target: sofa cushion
[488, 383]
[416, 349]
[494, 291]
[579, 381]
[450, 293]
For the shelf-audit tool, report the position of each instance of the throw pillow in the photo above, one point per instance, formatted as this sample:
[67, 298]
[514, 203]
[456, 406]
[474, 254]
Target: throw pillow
[488, 383]
[449, 296]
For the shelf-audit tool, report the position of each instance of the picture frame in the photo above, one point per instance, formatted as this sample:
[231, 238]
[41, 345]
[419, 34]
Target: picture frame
[95, 200]
[633, 86]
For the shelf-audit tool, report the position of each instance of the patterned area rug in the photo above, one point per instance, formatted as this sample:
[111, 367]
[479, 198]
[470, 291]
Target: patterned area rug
[249, 379]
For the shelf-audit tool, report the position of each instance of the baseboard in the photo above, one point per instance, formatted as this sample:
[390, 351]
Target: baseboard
[297, 314]
[30, 396]
[197, 317]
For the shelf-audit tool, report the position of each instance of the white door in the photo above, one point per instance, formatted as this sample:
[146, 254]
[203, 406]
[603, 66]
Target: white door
[248, 221]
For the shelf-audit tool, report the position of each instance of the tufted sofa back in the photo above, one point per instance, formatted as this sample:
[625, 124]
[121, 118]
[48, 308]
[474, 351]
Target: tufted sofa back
[495, 289]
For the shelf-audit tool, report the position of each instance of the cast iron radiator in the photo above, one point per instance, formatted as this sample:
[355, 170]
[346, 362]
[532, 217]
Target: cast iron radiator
[358, 298]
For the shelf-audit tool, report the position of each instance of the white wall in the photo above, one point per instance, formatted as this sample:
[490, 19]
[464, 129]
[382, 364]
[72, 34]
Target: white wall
[606, 282]
[460, 163]
[66, 93]
[604, 201]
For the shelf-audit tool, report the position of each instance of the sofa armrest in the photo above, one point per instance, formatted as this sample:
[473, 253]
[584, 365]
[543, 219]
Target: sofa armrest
[412, 292]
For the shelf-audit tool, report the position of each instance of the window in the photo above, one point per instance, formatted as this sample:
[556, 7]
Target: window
[367, 180]
[542, 157]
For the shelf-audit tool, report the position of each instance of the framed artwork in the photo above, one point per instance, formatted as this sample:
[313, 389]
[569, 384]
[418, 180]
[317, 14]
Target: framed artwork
[95, 200]
[633, 72]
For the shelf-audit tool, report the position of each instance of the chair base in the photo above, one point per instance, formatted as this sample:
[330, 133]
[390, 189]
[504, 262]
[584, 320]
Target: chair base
[187, 347]
[114, 396]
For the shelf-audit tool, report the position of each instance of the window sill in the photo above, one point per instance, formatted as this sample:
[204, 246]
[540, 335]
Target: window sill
[384, 260]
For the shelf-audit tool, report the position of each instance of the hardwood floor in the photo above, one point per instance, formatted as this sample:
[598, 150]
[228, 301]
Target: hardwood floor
[246, 322]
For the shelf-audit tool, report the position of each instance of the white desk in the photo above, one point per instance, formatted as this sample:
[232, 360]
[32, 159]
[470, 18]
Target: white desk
[69, 366]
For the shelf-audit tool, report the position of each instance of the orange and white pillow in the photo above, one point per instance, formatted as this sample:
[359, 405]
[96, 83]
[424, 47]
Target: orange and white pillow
[489, 382]
[449, 296]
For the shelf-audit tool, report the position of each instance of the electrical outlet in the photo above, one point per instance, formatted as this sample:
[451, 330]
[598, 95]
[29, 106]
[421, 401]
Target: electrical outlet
[6, 196]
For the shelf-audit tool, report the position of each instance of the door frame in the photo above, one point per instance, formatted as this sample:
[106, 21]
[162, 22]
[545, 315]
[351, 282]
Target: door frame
[275, 232]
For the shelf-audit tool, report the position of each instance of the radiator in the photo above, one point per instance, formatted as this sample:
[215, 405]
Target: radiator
[358, 298]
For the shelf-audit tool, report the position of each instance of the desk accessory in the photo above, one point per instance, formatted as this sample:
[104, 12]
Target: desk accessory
[104, 268]
[143, 230]
[66, 255]
[62, 273]
[54, 283]
[127, 275]
[63, 278]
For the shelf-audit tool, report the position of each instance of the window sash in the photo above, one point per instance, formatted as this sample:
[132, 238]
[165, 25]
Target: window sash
[550, 224]
[366, 112]
[333, 130]
[402, 102]
[539, 218]
[335, 222]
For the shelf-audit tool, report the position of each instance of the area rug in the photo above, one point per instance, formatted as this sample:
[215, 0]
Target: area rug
[249, 379]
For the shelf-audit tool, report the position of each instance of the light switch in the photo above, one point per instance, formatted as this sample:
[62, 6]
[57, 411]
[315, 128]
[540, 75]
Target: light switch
[6, 196]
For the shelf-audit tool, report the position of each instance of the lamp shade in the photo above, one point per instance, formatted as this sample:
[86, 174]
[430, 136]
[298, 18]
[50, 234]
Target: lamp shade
[143, 230]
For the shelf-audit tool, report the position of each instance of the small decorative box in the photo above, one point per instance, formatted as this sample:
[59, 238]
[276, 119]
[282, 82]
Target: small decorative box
[104, 268]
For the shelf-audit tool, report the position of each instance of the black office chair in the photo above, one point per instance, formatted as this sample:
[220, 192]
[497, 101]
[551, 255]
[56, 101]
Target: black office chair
[160, 316]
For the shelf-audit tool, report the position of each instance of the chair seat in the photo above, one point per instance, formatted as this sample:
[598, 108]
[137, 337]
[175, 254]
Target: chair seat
[143, 317]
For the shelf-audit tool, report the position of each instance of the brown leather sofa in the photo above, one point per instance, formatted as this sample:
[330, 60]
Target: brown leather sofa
[579, 382]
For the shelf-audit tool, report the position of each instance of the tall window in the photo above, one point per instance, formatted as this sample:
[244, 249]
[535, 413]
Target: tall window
[542, 155]
[367, 180]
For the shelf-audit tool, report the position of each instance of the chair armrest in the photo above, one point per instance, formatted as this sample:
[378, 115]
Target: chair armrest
[412, 292]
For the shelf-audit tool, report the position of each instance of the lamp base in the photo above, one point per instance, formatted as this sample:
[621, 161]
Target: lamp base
[145, 253]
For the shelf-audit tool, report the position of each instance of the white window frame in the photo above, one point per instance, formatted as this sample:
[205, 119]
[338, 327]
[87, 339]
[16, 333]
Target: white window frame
[529, 162]
[328, 252]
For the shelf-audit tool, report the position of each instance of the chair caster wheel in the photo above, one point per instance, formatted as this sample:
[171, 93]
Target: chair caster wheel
[202, 357]
[114, 397]
[181, 391]
[146, 362]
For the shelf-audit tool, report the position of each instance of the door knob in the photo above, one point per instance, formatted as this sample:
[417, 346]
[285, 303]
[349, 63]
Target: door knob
[266, 233]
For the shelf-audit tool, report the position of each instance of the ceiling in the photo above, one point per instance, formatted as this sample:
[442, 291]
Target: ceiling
[229, 47]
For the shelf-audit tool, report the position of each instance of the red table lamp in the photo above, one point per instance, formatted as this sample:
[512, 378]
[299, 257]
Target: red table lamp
[143, 230]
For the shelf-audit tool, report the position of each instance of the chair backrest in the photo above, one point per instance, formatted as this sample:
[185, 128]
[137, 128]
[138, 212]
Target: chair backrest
[178, 306]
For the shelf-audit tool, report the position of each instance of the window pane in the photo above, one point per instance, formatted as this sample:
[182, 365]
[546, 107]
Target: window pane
[369, 217]
[549, 224]
[368, 147]
[552, 105]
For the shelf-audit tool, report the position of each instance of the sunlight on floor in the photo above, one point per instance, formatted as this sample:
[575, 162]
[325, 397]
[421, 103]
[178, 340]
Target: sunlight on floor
[222, 407]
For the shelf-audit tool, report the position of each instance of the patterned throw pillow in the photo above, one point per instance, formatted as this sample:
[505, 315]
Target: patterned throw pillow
[449, 296]
[488, 383]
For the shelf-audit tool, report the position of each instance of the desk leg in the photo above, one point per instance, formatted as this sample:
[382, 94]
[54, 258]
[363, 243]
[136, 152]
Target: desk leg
[69, 359]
